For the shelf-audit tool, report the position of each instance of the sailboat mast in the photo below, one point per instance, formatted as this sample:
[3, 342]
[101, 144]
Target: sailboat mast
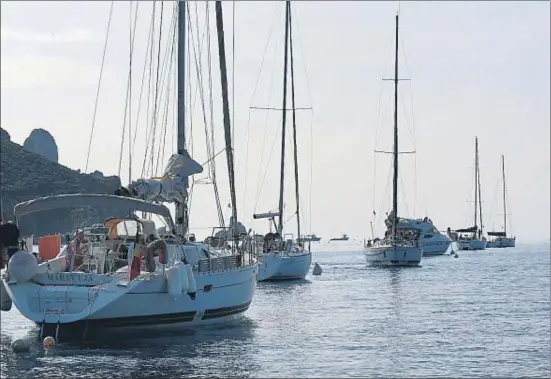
[475, 181]
[181, 208]
[395, 178]
[295, 146]
[479, 195]
[284, 121]
[226, 110]
[504, 197]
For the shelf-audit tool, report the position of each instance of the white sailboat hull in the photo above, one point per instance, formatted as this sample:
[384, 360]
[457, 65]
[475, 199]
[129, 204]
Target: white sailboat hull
[501, 243]
[268, 265]
[293, 266]
[141, 302]
[283, 266]
[474, 244]
[393, 256]
[437, 246]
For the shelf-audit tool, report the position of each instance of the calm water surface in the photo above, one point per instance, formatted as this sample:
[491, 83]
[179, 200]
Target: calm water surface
[484, 314]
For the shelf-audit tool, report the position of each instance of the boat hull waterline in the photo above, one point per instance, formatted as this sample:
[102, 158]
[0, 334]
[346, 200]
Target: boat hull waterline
[288, 267]
[137, 303]
[393, 256]
[474, 244]
[435, 248]
[502, 243]
[268, 264]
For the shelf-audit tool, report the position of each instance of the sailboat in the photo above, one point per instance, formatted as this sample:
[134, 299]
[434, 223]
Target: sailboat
[472, 238]
[179, 282]
[397, 248]
[500, 239]
[283, 257]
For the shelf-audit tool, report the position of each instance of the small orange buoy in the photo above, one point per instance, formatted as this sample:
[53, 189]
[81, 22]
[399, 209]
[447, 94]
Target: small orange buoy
[49, 342]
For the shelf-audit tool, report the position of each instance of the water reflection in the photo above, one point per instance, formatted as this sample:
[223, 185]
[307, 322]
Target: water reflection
[147, 352]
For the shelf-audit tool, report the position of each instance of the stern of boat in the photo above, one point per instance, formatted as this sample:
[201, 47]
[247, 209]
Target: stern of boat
[294, 266]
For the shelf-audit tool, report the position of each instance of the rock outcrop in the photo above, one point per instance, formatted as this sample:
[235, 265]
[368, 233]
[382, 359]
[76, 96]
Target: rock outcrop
[4, 134]
[26, 175]
[41, 142]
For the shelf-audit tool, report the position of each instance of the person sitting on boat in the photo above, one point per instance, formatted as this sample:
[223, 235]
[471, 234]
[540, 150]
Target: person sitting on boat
[74, 251]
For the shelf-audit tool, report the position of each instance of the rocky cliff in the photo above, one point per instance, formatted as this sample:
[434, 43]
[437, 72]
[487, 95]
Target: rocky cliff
[26, 175]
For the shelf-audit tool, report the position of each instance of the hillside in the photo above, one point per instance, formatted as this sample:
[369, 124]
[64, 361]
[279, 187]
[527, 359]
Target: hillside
[26, 175]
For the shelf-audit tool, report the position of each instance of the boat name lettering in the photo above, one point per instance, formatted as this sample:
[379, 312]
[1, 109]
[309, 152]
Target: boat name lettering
[66, 277]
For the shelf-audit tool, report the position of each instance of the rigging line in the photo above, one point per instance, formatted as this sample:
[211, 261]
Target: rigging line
[128, 94]
[380, 213]
[403, 192]
[149, 85]
[295, 150]
[270, 92]
[211, 108]
[161, 82]
[413, 128]
[200, 80]
[385, 114]
[415, 155]
[171, 94]
[197, 58]
[209, 78]
[265, 171]
[233, 74]
[99, 86]
[132, 38]
[167, 66]
[155, 103]
[248, 134]
[302, 55]
[147, 57]
[160, 157]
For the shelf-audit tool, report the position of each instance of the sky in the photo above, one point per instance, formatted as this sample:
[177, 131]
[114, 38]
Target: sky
[476, 68]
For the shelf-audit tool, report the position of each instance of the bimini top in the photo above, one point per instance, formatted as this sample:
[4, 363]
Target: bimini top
[497, 234]
[78, 200]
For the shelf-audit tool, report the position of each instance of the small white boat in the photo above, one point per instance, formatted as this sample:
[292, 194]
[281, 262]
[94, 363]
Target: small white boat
[309, 238]
[343, 237]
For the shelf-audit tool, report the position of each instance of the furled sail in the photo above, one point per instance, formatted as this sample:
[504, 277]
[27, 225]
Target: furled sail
[171, 187]
[227, 233]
